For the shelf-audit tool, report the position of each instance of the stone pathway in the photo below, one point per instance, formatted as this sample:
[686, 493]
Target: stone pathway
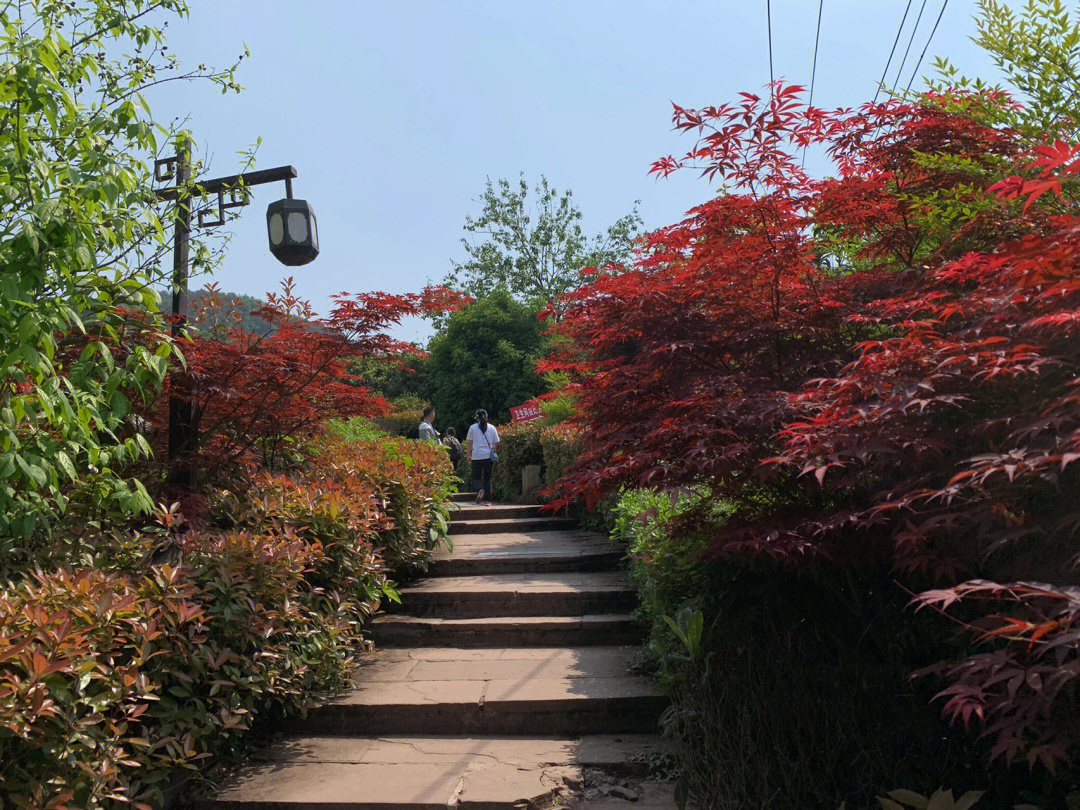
[504, 683]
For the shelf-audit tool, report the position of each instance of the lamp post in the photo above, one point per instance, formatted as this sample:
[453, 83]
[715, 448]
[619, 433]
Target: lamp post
[294, 240]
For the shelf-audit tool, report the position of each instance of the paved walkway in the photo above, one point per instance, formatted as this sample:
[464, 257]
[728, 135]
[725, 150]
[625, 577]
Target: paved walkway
[506, 684]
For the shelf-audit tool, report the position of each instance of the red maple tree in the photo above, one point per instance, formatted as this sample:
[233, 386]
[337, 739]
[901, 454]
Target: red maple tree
[876, 367]
[255, 389]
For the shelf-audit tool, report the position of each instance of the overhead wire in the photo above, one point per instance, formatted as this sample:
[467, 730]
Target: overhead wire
[915, 72]
[888, 62]
[768, 16]
[813, 71]
[907, 50]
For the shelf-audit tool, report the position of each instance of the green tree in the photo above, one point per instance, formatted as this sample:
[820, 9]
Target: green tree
[485, 357]
[80, 245]
[1037, 50]
[535, 252]
[396, 379]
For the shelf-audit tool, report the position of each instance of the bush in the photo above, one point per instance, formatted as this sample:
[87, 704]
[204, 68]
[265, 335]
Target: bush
[399, 423]
[561, 447]
[557, 409]
[783, 692]
[663, 564]
[415, 480]
[357, 428]
[111, 681]
[519, 446]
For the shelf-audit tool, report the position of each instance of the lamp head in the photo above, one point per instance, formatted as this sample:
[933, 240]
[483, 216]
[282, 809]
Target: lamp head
[293, 231]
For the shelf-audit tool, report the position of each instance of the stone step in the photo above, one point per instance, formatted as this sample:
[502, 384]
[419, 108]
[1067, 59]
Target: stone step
[522, 631]
[427, 773]
[498, 511]
[527, 552]
[498, 525]
[477, 597]
[525, 562]
[552, 692]
[463, 497]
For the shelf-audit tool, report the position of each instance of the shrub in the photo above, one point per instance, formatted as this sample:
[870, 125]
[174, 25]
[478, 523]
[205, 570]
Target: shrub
[816, 711]
[519, 446]
[83, 656]
[399, 423]
[354, 429]
[561, 447]
[663, 564]
[558, 408]
[409, 402]
[112, 681]
[342, 518]
[413, 479]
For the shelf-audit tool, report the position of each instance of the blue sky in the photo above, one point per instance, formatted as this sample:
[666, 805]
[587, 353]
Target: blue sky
[395, 113]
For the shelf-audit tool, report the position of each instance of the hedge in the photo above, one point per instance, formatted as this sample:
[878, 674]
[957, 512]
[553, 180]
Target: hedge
[159, 654]
[399, 423]
[561, 445]
[519, 446]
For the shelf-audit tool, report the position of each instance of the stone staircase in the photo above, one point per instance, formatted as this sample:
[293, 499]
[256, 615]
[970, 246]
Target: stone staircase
[503, 682]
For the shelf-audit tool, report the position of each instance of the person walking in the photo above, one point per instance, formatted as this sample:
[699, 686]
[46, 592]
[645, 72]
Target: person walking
[427, 426]
[452, 445]
[481, 443]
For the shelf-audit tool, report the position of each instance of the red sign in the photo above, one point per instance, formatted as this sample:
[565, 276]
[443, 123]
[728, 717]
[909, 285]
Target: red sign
[526, 412]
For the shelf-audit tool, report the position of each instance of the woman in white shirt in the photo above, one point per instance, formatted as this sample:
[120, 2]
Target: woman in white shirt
[480, 445]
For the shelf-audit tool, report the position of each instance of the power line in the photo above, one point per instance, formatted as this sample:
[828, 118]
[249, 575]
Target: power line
[768, 14]
[813, 71]
[817, 38]
[899, 31]
[908, 48]
[932, 31]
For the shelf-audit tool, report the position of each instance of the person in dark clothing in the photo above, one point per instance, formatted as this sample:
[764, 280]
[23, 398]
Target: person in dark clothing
[452, 445]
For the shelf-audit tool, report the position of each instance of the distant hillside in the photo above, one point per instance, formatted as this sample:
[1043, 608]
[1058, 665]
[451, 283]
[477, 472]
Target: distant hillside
[245, 304]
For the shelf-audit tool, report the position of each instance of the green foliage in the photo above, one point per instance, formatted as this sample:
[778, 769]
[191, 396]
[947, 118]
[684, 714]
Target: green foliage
[1037, 48]
[409, 402]
[558, 409]
[663, 564]
[394, 379]
[485, 357]
[535, 253]
[816, 710]
[399, 423]
[561, 447]
[356, 428]
[79, 242]
[519, 446]
[687, 627]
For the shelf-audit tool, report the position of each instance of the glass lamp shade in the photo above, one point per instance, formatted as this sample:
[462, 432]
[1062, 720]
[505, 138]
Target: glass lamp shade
[293, 233]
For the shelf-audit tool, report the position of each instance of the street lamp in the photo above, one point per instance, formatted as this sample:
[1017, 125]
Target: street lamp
[293, 232]
[294, 240]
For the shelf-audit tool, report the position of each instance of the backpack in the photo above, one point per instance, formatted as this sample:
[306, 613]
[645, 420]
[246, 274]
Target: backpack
[455, 453]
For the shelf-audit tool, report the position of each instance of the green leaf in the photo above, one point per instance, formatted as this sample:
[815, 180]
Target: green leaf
[67, 465]
[32, 471]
